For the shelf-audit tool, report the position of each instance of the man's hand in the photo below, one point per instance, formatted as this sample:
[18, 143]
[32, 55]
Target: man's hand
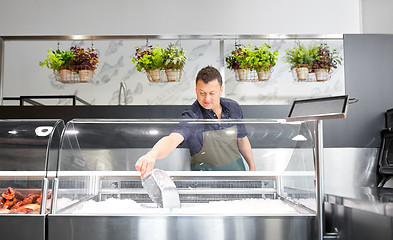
[160, 150]
[145, 164]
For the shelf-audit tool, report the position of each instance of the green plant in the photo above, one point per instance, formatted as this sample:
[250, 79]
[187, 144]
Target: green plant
[57, 60]
[147, 59]
[84, 59]
[300, 55]
[326, 59]
[240, 58]
[262, 58]
[174, 58]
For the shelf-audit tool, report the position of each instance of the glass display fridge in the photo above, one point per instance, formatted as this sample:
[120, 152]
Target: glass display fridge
[28, 162]
[98, 194]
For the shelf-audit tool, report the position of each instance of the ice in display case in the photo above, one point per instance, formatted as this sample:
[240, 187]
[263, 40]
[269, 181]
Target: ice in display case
[28, 162]
[98, 193]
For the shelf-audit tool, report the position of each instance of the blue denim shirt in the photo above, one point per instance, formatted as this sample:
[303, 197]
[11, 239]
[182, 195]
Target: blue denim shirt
[193, 133]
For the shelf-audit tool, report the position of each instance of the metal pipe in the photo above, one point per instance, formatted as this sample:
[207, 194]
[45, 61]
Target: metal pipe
[176, 37]
[318, 140]
[1, 69]
[222, 60]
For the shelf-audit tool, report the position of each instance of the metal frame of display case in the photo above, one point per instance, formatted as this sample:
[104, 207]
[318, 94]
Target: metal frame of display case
[318, 146]
[220, 38]
[32, 226]
[29, 99]
[63, 223]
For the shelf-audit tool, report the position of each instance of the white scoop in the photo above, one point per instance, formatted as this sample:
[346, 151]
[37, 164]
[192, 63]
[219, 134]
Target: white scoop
[161, 189]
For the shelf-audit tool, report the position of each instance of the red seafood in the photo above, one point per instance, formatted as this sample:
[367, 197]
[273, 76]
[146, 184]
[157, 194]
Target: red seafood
[31, 198]
[11, 194]
[17, 205]
[28, 208]
[12, 201]
[9, 203]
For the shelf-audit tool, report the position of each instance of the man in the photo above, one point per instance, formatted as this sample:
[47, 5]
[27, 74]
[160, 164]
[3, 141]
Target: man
[214, 146]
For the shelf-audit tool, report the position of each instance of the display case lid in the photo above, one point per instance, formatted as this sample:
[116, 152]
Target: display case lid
[29, 145]
[114, 144]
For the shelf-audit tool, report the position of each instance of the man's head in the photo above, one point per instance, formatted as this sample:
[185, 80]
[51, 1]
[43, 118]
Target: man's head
[209, 88]
[208, 74]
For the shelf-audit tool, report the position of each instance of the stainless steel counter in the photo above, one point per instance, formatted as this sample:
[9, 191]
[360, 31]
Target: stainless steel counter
[361, 213]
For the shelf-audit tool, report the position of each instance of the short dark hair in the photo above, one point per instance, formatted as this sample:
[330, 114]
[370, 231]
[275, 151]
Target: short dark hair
[208, 74]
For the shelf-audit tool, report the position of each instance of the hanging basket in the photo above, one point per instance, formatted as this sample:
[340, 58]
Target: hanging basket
[300, 74]
[321, 75]
[85, 75]
[154, 75]
[65, 75]
[74, 74]
[173, 75]
[264, 75]
[247, 75]
[242, 74]
[164, 76]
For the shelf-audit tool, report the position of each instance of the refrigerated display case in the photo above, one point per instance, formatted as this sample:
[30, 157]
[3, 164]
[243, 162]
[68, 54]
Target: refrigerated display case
[98, 194]
[28, 162]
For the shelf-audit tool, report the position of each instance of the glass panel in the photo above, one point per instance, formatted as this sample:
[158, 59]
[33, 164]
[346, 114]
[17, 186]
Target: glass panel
[297, 181]
[97, 164]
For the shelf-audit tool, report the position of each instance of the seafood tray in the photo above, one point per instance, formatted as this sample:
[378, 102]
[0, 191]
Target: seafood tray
[13, 201]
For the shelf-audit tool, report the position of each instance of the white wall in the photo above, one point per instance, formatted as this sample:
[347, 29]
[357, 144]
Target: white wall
[138, 17]
[95, 17]
[377, 16]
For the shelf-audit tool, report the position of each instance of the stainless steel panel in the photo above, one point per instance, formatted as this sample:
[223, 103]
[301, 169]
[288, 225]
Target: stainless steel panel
[358, 224]
[26, 227]
[180, 227]
[347, 168]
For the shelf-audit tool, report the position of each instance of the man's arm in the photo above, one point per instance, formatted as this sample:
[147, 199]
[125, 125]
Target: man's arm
[245, 149]
[160, 150]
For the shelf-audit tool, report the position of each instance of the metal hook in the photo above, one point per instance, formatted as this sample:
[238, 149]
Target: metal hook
[352, 100]
[236, 43]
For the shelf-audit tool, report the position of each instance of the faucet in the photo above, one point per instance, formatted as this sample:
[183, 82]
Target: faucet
[123, 88]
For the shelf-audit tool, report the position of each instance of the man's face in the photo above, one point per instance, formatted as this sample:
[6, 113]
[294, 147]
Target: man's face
[208, 94]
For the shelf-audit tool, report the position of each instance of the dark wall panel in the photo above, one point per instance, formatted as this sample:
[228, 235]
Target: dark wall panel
[369, 78]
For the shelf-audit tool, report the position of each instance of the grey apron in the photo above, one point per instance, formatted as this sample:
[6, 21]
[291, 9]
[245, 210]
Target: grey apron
[219, 152]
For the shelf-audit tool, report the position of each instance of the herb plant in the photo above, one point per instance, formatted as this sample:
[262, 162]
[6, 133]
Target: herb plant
[174, 58]
[57, 60]
[326, 59]
[300, 55]
[240, 58]
[262, 58]
[150, 58]
[84, 59]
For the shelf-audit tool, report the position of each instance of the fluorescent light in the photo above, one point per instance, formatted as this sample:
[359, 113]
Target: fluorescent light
[12, 132]
[153, 132]
[299, 138]
[43, 131]
[71, 132]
